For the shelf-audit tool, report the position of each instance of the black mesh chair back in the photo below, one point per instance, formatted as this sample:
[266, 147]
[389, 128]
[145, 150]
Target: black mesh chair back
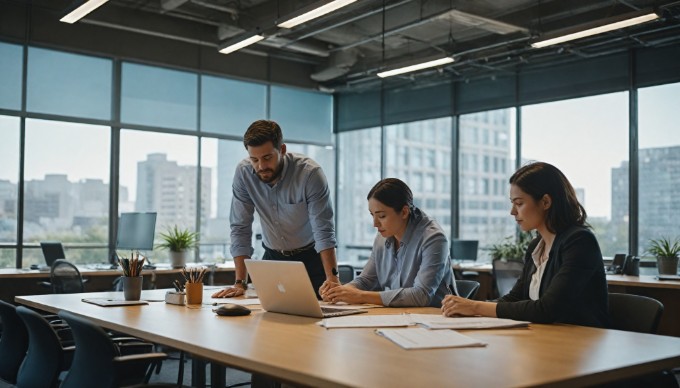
[65, 278]
[45, 358]
[13, 342]
[345, 273]
[467, 288]
[634, 313]
[505, 274]
[98, 361]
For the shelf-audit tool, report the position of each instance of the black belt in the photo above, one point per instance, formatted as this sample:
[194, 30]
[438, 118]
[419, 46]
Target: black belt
[291, 252]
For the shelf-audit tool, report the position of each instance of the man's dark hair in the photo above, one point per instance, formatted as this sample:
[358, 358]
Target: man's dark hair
[261, 132]
[393, 193]
[538, 179]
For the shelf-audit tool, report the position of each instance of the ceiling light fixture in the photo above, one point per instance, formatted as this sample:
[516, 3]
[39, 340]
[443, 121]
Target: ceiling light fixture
[417, 66]
[82, 10]
[240, 42]
[313, 11]
[622, 22]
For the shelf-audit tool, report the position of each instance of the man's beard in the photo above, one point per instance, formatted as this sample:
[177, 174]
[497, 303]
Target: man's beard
[274, 174]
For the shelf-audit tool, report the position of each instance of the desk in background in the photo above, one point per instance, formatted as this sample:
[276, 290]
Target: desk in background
[15, 282]
[295, 349]
[665, 291]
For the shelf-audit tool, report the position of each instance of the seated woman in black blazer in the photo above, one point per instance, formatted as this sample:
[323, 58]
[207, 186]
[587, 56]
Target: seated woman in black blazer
[563, 278]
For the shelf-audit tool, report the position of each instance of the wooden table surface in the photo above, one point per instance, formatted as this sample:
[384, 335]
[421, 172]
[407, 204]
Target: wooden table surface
[295, 349]
[649, 281]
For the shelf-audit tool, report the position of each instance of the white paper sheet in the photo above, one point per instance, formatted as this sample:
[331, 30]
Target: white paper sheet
[420, 338]
[353, 321]
[432, 321]
[241, 301]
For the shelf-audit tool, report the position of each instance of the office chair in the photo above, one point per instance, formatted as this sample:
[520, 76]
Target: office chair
[99, 362]
[634, 313]
[505, 274]
[46, 358]
[464, 250]
[467, 288]
[345, 273]
[13, 342]
[65, 278]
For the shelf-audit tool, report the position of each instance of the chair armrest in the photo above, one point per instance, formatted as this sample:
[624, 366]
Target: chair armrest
[45, 284]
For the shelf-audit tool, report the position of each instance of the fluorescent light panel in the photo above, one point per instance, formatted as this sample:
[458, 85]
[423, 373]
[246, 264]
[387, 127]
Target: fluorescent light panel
[82, 10]
[596, 30]
[241, 44]
[419, 66]
[315, 13]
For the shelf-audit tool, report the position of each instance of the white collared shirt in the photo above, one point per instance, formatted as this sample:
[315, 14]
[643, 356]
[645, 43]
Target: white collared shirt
[540, 261]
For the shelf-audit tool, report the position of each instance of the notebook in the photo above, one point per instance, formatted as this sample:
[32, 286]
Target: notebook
[109, 302]
[284, 287]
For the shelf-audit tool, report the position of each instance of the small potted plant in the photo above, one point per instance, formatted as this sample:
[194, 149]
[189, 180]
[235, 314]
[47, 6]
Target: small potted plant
[178, 242]
[510, 249]
[666, 252]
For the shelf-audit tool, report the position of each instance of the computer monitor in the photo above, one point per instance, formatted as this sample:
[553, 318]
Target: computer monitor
[136, 231]
[464, 249]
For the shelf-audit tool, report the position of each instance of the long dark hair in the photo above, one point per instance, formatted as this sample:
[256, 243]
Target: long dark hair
[393, 193]
[540, 178]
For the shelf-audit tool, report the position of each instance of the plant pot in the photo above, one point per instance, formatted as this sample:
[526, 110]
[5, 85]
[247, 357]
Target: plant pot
[178, 259]
[667, 265]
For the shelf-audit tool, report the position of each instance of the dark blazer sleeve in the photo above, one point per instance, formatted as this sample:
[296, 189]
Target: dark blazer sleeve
[572, 286]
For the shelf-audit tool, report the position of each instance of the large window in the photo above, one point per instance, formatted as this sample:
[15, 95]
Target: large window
[68, 84]
[229, 106]
[485, 161]
[419, 153]
[9, 178]
[159, 97]
[659, 164]
[587, 139]
[303, 116]
[158, 174]
[10, 76]
[65, 198]
[358, 170]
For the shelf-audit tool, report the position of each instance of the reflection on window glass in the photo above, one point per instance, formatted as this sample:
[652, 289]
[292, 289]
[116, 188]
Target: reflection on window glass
[158, 174]
[302, 115]
[159, 97]
[424, 163]
[229, 106]
[587, 139]
[65, 199]
[324, 156]
[659, 164]
[11, 58]
[68, 84]
[358, 171]
[9, 178]
[485, 161]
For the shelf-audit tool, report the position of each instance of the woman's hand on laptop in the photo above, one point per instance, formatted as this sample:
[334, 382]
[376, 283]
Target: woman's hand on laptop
[325, 287]
[229, 292]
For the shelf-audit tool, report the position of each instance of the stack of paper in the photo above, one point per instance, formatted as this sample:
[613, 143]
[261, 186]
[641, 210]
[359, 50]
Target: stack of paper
[419, 338]
[367, 321]
[441, 322]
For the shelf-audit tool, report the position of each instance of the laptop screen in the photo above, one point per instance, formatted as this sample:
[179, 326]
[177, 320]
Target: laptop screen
[52, 250]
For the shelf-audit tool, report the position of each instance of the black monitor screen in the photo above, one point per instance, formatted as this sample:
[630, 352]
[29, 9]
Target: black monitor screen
[136, 231]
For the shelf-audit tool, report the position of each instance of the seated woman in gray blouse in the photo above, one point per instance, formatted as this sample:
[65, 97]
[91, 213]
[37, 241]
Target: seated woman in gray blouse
[409, 263]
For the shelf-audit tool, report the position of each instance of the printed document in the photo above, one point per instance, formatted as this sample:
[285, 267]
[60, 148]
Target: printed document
[419, 338]
[432, 321]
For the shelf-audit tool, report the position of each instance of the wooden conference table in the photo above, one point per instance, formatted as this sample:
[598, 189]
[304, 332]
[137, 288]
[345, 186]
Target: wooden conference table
[296, 350]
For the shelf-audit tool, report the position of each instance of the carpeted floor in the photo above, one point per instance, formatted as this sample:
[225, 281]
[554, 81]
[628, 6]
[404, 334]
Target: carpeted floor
[170, 368]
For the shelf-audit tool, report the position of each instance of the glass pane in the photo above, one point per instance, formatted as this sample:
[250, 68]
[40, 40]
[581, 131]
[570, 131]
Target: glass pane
[68, 84]
[159, 97]
[659, 164]
[587, 138]
[358, 171]
[158, 174]
[314, 126]
[11, 59]
[419, 153]
[8, 257]
[324, 156]
[9, 177]
[485, 162]
[65, 199]
[229, 107]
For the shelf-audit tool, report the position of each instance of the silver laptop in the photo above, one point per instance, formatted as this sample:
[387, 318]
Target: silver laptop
[284, 287]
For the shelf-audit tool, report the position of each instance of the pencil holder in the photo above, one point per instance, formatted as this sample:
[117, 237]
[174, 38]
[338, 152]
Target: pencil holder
[194, 293]
[132, 287]
[174, 297]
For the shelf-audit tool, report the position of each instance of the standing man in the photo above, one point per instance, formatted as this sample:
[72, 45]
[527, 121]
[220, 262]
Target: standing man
[291, 196]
